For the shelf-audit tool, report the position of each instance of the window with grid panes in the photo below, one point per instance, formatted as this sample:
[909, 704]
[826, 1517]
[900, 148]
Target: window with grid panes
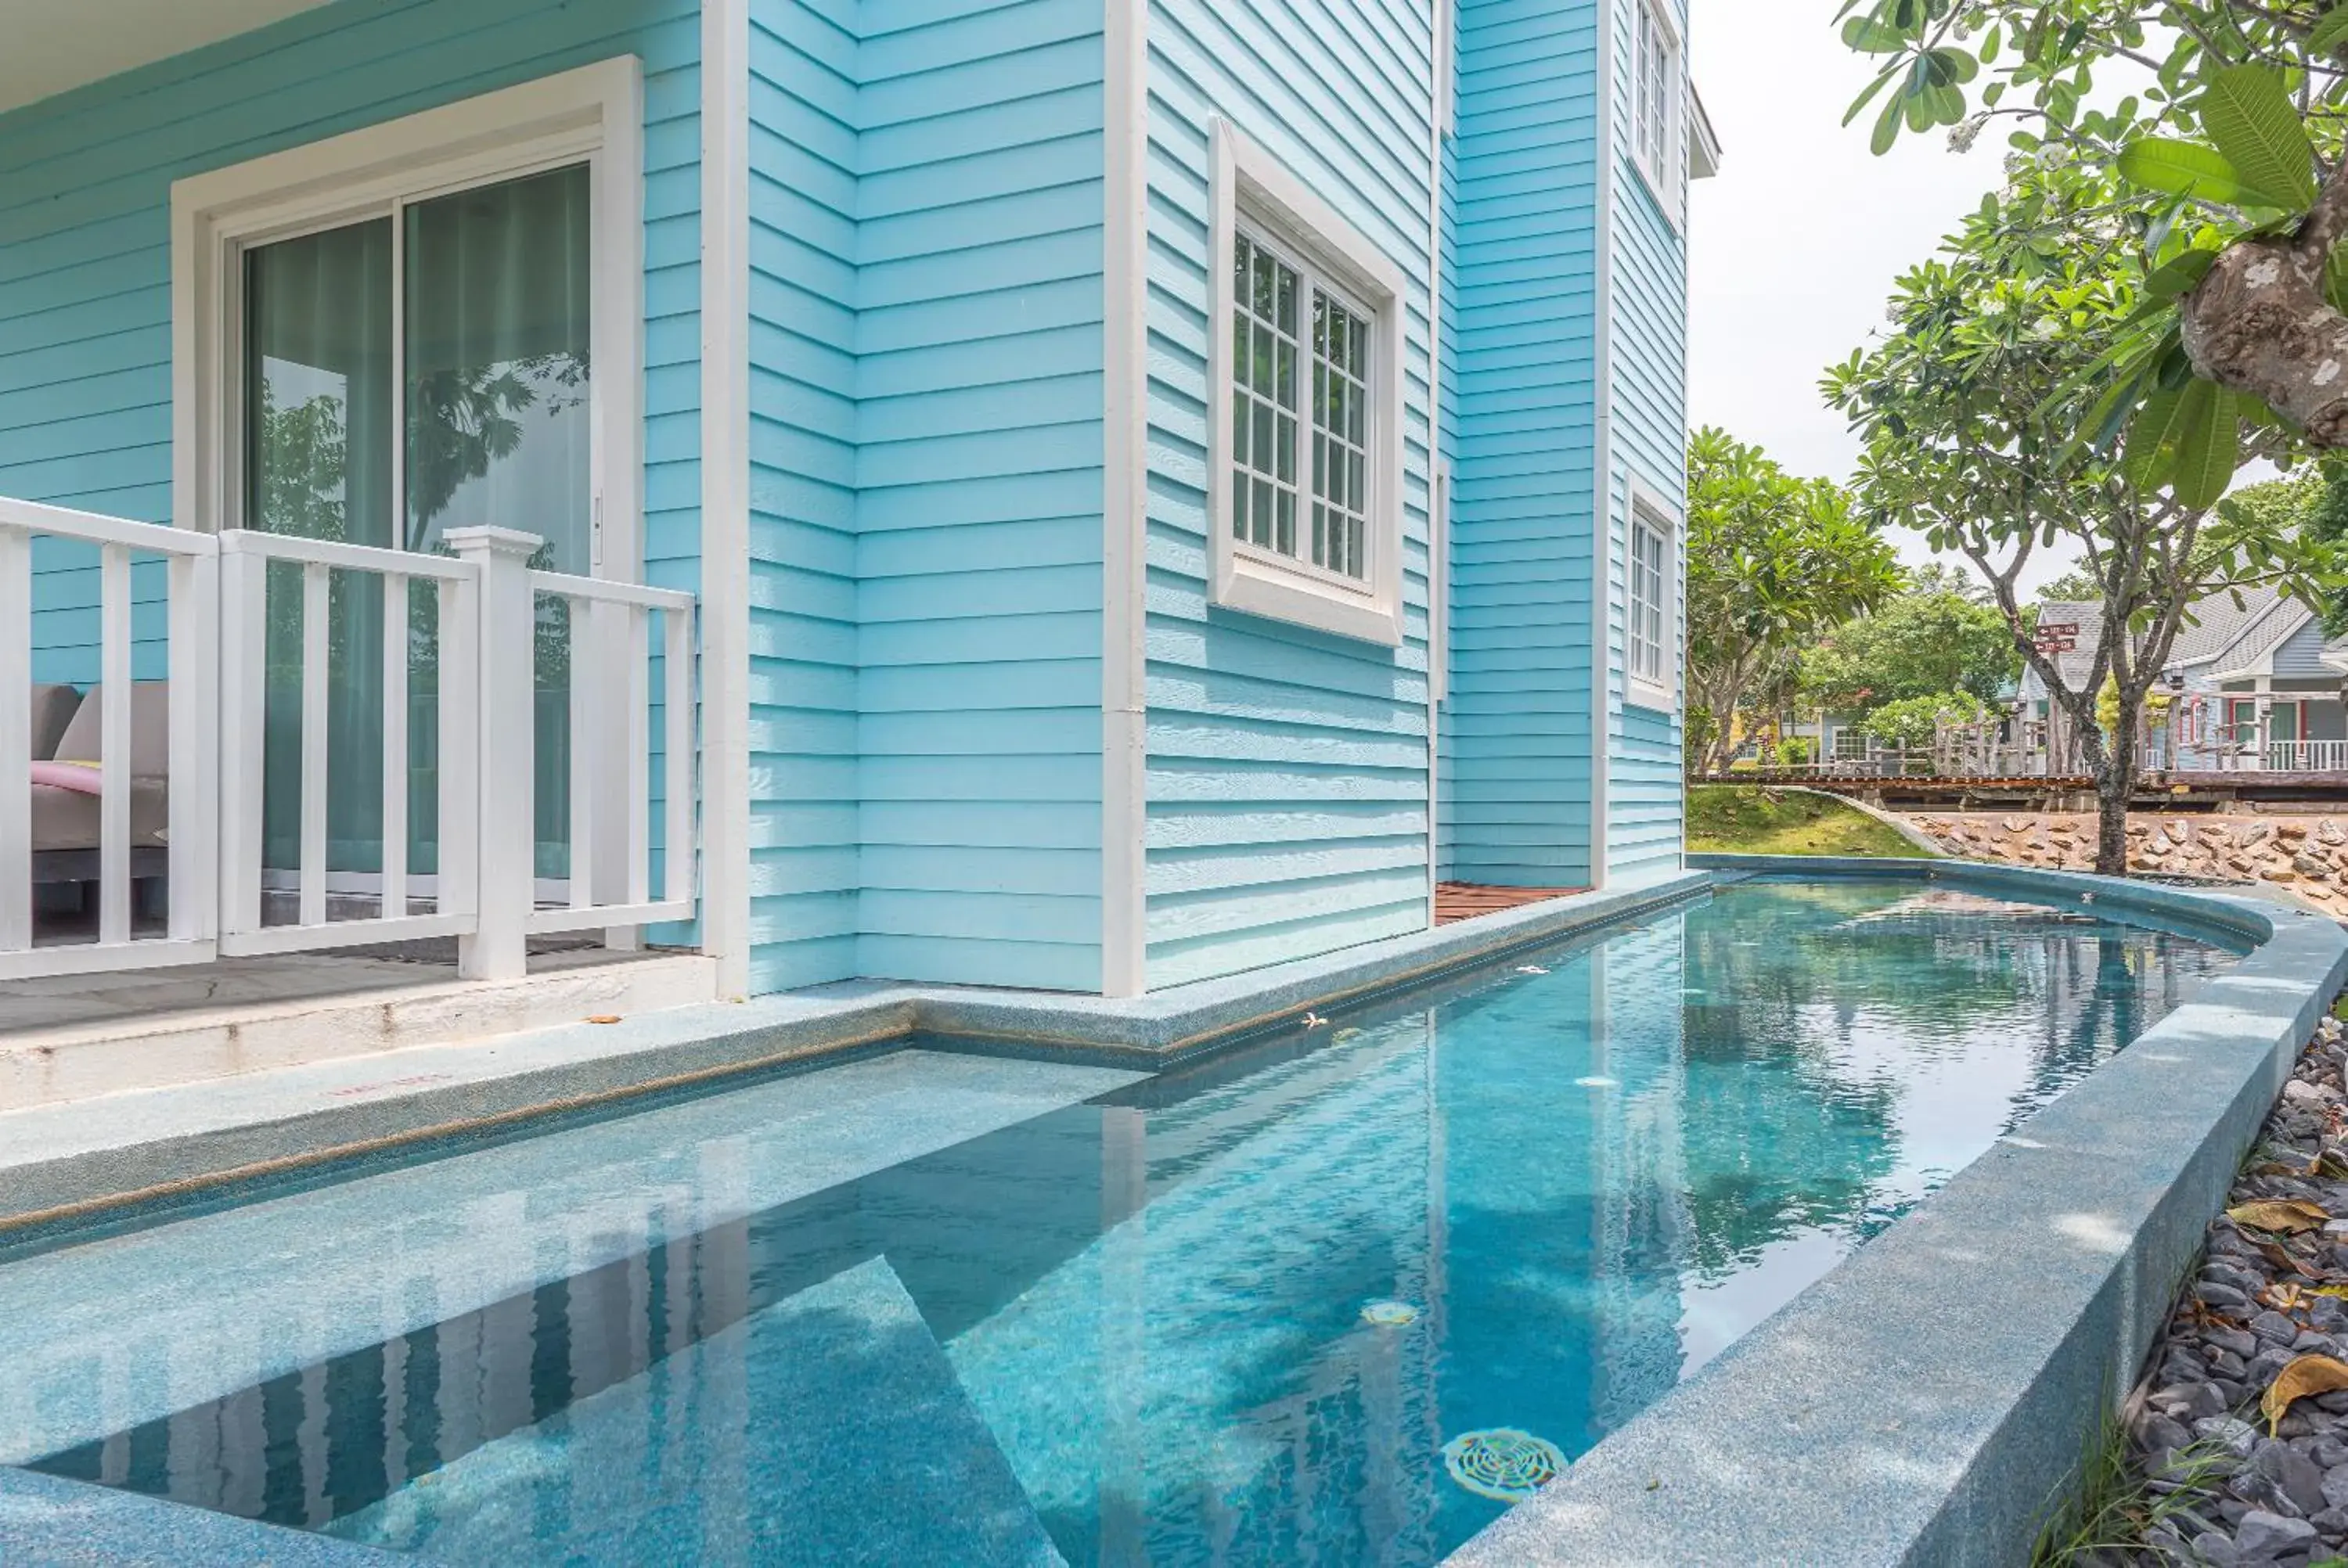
[1655, 109]
[1301, 374]
[1650, 602]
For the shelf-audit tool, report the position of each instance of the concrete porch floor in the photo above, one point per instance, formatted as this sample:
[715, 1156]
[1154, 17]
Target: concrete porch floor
[72, 1036]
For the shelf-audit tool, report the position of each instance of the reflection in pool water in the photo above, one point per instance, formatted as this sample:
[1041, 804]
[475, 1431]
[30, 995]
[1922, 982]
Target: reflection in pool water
[1322, 1298]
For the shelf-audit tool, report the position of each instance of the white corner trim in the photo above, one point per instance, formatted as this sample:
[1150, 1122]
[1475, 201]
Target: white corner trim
[593, 113]
[1645, 500]
[1602, 519]
[1444, 18]
[1248, 182]
[1123, 499]
[725, 928]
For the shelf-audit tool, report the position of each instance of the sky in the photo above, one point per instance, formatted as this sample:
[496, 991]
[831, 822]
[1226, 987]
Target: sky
[1795, 244]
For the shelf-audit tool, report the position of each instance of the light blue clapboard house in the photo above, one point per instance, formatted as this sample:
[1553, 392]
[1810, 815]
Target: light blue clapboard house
[1085, 495]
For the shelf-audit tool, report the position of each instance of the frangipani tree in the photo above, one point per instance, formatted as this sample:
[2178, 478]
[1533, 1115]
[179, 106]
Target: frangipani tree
[1981, 421]
[1773, 562]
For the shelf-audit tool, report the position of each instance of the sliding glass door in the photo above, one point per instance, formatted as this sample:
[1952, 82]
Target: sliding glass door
[409, 374]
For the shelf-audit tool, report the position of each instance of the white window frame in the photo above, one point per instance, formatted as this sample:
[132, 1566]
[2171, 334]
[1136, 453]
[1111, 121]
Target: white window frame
[1648, 513]
[593, 115]
[1663, 168]
[1254, 190]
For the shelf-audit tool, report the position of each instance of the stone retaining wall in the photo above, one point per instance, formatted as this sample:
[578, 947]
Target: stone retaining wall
[2308, 855]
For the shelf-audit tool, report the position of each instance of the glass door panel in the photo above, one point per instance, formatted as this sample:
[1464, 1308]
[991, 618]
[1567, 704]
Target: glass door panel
[499, 429]
[467, 406]
[319, 444]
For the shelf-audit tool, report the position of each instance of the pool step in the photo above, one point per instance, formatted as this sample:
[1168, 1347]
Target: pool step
[828, 1427]
[67, 1038]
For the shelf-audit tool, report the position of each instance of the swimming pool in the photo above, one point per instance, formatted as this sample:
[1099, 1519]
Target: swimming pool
[1317, 1297]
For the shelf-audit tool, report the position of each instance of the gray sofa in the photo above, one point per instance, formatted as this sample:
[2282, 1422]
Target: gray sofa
[68, 726]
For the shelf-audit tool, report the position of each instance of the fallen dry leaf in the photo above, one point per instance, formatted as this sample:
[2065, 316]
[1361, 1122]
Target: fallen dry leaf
[2285, 1216]
[2307, 1375]
[604, 1018]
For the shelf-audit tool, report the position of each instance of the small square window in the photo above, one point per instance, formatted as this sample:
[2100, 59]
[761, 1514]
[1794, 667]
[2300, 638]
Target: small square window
[1308, 471]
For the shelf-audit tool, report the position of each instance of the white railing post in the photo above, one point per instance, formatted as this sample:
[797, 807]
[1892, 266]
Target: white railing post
[16, 736]
[243, 710]
[505, 757]
[195, 765]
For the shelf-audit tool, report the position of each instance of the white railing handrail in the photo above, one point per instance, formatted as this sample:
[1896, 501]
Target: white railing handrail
[608, 591]
[337, 556]
[93, 527]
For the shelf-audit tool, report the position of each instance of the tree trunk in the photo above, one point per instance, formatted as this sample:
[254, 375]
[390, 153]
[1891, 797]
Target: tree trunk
[2115, 785]
[2259, 322]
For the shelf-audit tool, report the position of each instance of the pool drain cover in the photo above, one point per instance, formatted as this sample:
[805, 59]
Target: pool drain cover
[1389, 1314]
[1502, 1462]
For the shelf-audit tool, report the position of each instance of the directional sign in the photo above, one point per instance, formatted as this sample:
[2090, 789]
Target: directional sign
[2058, 628]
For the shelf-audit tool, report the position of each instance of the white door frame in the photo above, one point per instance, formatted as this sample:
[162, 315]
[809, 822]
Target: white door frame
[592, 115]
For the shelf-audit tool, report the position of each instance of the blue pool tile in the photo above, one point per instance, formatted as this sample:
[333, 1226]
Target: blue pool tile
[49, 1522]
[828, 1428]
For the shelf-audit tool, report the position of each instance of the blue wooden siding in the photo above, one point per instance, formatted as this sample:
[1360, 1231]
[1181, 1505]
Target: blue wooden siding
[2300, 656]
[803, 784]
[1287, 769]
[1649, 310]
[1517, 729]
[85, 248]
[926, 491]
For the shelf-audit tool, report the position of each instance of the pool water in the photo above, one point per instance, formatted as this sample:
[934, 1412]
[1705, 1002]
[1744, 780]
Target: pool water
[1334, 1296]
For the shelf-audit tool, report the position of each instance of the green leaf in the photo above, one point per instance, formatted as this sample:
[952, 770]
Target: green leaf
[2180, 275]
[2183, 167]
[2208, 445]
[1870, 36]
[2329, 34]
[1949, 67]
[2254, 125]
[1882, 81]
[2151, 449]
[1887, 126]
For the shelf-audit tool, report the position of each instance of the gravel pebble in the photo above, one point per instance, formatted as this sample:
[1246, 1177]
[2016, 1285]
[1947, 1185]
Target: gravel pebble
[2231, 1495]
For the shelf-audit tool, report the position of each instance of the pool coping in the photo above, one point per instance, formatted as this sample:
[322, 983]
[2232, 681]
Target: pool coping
[1926, 1401]
[64, 1161]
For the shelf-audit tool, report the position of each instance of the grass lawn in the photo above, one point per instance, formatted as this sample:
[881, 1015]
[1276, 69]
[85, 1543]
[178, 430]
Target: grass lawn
[1752, 819]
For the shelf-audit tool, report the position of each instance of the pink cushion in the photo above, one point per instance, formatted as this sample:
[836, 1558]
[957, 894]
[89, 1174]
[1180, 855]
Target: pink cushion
[82, 778]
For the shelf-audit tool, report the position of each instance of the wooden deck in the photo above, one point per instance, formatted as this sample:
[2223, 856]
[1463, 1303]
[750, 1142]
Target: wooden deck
[1456, 901]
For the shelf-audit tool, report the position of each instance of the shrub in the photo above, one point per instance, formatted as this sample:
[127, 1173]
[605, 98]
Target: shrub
[1916, 720]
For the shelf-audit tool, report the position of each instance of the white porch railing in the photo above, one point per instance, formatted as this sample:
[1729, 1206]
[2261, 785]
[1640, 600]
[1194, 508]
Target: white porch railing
[190, 606]
[245, 685]
[2307, 756]
[484, 889]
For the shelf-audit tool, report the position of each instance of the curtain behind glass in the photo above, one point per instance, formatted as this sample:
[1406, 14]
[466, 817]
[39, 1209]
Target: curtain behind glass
[499, 423]
[318, 459]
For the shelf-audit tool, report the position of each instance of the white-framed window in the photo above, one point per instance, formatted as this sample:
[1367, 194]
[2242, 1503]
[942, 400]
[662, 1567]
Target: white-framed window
[1306, 446]
[423, 324]
[1658, 102]
[1851, 744]
[1651, 642]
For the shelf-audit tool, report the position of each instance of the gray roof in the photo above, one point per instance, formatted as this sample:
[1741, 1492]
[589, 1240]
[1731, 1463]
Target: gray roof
[2218, 631]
